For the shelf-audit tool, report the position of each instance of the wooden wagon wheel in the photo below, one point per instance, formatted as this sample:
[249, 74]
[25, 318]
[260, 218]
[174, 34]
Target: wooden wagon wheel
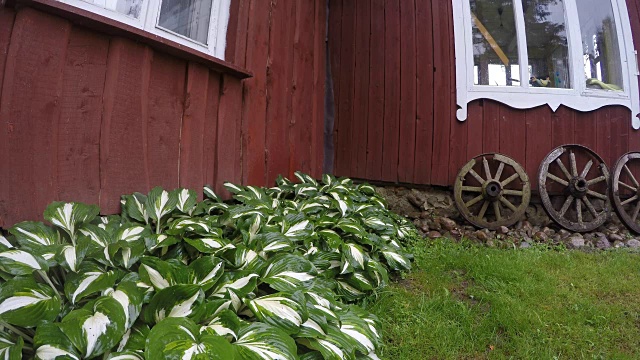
[499, 198]
[625, 190]
[582, 201]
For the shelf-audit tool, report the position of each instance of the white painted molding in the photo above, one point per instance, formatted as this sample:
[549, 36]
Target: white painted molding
[524, 97]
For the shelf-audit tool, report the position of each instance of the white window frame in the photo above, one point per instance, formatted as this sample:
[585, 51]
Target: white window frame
[526, 97]
[148, 21]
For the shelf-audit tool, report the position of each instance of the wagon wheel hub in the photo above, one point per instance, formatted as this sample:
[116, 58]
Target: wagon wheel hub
[491, 190]
[578, 187]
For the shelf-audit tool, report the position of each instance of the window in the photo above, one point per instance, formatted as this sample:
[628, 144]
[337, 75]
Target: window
[199, 24]
[527, 53]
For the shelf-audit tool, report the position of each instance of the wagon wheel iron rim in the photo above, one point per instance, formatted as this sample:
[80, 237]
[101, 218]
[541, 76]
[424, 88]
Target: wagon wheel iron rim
[492, 190]
[626, 194]
[583, 207]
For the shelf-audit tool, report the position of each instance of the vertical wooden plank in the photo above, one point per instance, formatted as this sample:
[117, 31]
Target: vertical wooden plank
[166, 108]
[585, 123]
[358, 142]
[391, 91]
[278, 89]
[211, 129]
[603, 131]
[345, 98]
[513, 134]
[491, 126]
[457, 148]
[375, 119]
[30, 114]
[334, 46]
[408, 54]
[319, 78]
[619, 133]
[7, 19]
[425, 92]
[442, 40]
[123, 131]
[562, 124]
[301, 125]
[228, 152]
[474, 131]
[538, 142]
[237, 32]
[81, 112]
[254, 111]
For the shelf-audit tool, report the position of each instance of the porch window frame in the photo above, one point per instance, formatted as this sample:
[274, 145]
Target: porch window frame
[579, 97]
[149, 18]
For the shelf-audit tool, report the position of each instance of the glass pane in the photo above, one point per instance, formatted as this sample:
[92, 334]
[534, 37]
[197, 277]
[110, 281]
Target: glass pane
[187, 17]
[130, 8]
[601, 53]
[495, 43]
[547, 44]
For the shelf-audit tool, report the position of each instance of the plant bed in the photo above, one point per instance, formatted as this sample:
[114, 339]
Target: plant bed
[273, 275]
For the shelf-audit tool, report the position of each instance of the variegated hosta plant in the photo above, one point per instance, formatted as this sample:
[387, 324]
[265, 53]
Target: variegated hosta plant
[272, 275]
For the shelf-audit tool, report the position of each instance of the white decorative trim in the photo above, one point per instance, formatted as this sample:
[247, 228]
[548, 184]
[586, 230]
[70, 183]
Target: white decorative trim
[524, 97]
[149, 18]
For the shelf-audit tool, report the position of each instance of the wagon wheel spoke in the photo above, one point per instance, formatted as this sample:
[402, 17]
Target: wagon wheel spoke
[508, 204]
[566, 205]
[633, 178]
[499, 172]
[599, 179]
[574, 166]
[557, 179]
[563, 168]
[589, 205]
[475, 175]
[579, 211]
[597, 195]
[636, 211]
[483, 210]
[627, 186]
[586, 169]
[496, 210]
[486, 168]
[629, 200]
[475, 189]
[513, 192]
[474, 201]
[510, 179]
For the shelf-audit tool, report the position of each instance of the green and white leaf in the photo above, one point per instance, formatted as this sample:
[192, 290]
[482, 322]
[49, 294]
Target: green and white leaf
[10, 348]
[135, 207]
[187, 200]
[283, 310]
[19, 262]
[34, 236]
[396, 261]
[175, 301]
[51, 343]
[24, 302]
[68, 216]
[288, 273]
[89, 279]
[160, 203]
[263, 342]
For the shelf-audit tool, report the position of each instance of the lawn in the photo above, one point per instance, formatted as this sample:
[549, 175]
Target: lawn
[466, 301]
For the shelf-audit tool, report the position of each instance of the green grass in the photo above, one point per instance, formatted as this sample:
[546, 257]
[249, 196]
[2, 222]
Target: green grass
[469, 302]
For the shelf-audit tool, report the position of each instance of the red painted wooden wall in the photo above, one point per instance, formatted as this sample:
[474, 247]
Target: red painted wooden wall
[394, 81]
[89, 117]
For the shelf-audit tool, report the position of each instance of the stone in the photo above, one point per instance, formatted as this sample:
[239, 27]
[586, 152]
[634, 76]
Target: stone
[618, 244]
[548, 231]
[434, 235]
[633, 243]
[575, 241]
[525, 245]
[481, 235]
[541, 236]
[563, 233]
[602, 243]
[447, 223]
[615, 237]
[503, 230]
[490, 243]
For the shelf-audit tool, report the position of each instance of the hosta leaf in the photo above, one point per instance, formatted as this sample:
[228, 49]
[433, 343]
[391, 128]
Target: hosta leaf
[132, 232]
[135, 338]
[174, 301]
[396, 261]
[154, 241]
[305, 178]
[156, 272]
[209, 193]
[10, 349]
[70, 256]
[135, 207]
[333, 240]
[194, 225]
[96, 328]
[226, 324]
[342, 203]
[206, 271]
[285, 311]
[5, 244]
[179, 338]
[68, 216]
[274, 242]
[288, 273]
[24, 302]
[367, 189]
[34, 235]
[208, 244]
[160, 203]
[350, 227]
[18, 262]
[359, 330]
[126, 355]
[130, 297]
[127, 253]
[377, 272]
[243, 258]
[186, 200]
[88, 280]
[241, 283]
[378, 223]
[100, 237]
[349, 292]
[360, 281]
[298, 230]
[354, 255]
[51, 343]
[263, 342]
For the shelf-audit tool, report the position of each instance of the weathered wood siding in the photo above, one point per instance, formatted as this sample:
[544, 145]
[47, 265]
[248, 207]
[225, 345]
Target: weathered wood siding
[393, 67]
[89, 117]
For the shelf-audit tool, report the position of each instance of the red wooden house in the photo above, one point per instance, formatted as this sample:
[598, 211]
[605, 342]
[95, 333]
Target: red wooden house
[100, 98]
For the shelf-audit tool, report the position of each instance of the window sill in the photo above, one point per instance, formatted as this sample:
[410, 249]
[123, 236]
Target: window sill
[115, 28]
